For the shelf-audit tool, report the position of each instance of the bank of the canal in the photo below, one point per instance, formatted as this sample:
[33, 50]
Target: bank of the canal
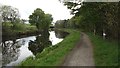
[105, 51]
[53, 56]
[17, 50]
[20, 30]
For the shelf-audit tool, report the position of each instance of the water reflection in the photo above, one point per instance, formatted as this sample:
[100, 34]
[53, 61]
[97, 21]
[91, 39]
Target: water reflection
[60, 34]
[10, 51]
[16, 50]
[40, 43]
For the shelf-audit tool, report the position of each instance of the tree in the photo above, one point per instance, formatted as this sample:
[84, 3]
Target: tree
[95, 17]
[61, 24]
[36, 17]
[9, 13]
[40, 19]
[47, 21]
[10, 18]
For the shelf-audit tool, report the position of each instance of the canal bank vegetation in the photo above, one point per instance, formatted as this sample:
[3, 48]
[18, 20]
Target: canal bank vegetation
[8, 27]
[98, 18]
[105, 51]
[93, 17]
[101, 20]
[54, 56]
[13, 25]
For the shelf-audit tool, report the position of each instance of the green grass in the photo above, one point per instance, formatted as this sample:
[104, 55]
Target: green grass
[105, 51]
[53, 56]
[8, 28]
[20, 27]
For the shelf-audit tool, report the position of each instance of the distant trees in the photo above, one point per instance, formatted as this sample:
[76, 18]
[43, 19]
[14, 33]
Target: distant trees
[95, 17]
[9, 13]
[9, 17]
[40, 19]
[11, 23]
[61, 24]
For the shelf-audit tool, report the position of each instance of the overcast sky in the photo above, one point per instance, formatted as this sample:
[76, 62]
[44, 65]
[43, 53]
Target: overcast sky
[26, 7]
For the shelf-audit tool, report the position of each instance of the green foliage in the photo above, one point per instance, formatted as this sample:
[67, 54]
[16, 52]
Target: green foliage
[61, 24]
[19, 26]
[40, 19]
[7, 28]
[10, 29]
[9, 13]
[30, 27]
[75, 22]
[36, 17]
[11, 23]
[95, 17]
[105, 51]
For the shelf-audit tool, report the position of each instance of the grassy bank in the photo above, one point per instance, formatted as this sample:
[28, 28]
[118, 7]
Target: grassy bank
[105, 51]
[53, 56]
[18, 29]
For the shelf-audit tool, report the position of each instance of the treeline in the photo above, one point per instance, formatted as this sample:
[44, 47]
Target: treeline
[13, 25]
[61, 24]
[96, 17]
[41, 20]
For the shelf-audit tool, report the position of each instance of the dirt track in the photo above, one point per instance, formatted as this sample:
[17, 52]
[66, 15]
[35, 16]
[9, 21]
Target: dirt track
[82, 54]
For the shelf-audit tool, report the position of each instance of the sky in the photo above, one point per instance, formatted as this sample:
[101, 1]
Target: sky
[26, 8]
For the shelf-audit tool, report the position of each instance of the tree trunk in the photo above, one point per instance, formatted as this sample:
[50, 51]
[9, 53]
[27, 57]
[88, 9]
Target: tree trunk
[94, 31]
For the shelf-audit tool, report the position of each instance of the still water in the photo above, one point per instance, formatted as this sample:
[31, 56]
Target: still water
[17, 50]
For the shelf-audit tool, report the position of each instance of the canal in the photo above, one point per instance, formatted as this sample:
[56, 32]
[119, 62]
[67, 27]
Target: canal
[16, 50]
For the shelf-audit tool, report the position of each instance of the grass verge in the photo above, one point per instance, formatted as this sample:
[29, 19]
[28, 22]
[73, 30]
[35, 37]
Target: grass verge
[105, 51]
[53, 56]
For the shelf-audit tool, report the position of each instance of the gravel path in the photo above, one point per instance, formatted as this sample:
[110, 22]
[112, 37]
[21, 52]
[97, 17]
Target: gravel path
[82, 54]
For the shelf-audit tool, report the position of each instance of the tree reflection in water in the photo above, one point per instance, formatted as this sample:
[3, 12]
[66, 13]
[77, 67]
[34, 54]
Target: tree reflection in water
[40, 43]
[10, 51]
[60, 34]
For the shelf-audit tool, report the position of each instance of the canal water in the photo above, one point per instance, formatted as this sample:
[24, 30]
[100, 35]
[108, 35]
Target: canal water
[17, 50]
